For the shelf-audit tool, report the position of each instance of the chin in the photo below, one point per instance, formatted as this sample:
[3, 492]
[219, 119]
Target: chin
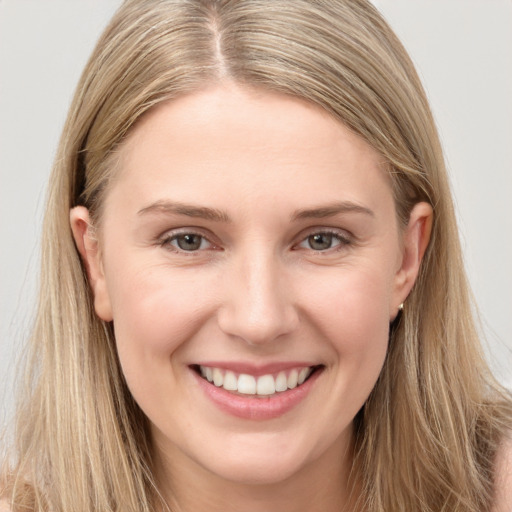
[245, 472]
[259, 463]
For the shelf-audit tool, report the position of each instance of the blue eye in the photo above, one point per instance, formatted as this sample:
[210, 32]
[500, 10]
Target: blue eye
[323, 241]
[188, 242]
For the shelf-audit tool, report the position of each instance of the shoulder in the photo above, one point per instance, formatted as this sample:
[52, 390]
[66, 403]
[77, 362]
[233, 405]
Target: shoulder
[503, 496]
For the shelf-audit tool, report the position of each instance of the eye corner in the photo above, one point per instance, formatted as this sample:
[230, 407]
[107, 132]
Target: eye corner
[326, 240]
[188, 242]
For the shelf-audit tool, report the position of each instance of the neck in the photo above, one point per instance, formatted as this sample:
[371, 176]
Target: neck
[321, 485]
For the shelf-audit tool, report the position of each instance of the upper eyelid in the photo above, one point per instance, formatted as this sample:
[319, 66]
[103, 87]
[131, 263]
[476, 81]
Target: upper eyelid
[342, 233]
[171, 234]
[193, 230]
[345, 238]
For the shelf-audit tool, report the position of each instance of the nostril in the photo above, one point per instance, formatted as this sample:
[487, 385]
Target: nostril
[256, 307]
[257, 326]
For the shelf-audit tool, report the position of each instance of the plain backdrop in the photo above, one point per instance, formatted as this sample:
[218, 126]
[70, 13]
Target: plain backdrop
[463, 51]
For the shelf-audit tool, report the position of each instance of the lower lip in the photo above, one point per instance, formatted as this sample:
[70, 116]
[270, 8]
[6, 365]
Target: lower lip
[252, 407]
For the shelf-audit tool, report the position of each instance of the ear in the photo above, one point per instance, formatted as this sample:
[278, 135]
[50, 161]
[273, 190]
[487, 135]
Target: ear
[88, 247]
[416, 237]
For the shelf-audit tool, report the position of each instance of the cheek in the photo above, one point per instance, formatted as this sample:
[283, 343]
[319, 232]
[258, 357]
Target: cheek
[154, 312]
[351, 306]
[351, 311]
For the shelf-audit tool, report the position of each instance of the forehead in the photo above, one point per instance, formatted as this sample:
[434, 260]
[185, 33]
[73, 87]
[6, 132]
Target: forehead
[248, 145]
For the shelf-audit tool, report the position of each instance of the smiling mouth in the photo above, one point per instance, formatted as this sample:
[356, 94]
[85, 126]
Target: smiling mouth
[256, 386]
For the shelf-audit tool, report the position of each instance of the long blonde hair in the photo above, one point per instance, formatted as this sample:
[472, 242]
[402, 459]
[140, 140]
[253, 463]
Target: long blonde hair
[427, 436]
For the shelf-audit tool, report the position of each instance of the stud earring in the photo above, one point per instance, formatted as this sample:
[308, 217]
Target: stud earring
[401, 307]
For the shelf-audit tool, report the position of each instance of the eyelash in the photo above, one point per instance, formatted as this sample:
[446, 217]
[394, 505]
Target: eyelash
[342, 239]
[168, 239]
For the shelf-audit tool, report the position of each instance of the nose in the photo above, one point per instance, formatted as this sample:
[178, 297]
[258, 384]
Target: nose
[257, 305]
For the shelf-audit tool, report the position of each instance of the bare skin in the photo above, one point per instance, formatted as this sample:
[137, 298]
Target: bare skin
[250, 228]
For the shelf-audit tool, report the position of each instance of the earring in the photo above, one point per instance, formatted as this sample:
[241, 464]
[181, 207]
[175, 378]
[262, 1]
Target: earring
[401, 307]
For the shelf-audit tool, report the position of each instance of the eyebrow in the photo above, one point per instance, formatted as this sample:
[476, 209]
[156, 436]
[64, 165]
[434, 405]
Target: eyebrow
[172, 207]
[331, 210]
[203, 212]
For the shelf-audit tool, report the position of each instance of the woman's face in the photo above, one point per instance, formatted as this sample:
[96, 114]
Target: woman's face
[251, 239]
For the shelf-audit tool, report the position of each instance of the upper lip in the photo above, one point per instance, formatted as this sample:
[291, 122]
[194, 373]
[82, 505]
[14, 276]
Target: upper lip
[256, 369]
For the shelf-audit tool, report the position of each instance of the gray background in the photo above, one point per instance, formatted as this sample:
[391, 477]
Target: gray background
[462, 48]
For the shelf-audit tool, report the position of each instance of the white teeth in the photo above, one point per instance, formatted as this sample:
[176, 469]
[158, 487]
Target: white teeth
[281, 382]
[246, 384]
[264, 385]
[218, 378]
[230, 382]
[302, 376]
[292, 379]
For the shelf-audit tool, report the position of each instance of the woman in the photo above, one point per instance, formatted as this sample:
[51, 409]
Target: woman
[252, 289]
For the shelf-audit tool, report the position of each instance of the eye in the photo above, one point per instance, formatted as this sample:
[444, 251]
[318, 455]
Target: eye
[186, 242]
[323, 241]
